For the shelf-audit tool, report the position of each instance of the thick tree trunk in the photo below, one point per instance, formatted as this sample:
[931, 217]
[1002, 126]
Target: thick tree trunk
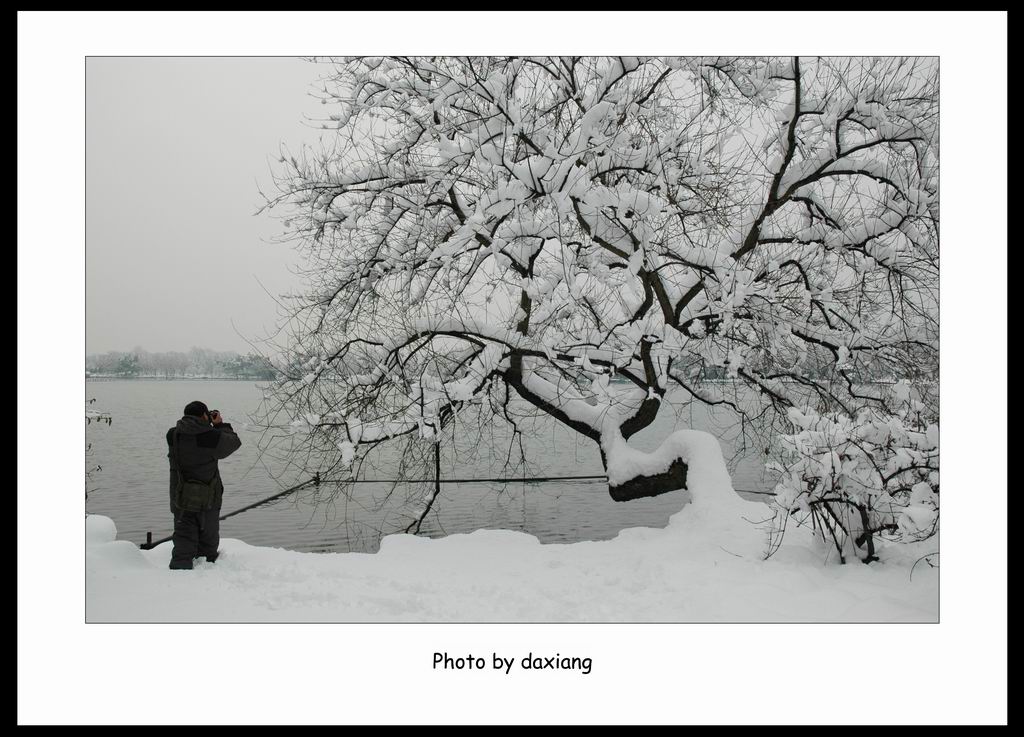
[643, 474]
[634, 474]
[640, 486]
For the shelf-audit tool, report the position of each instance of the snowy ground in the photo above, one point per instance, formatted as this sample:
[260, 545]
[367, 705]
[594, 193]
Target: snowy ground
[705, 566]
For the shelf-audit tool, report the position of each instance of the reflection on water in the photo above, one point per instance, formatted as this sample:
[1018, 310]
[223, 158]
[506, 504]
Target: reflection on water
[132, 487]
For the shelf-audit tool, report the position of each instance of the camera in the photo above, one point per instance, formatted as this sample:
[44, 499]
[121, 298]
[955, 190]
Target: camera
[213, 412]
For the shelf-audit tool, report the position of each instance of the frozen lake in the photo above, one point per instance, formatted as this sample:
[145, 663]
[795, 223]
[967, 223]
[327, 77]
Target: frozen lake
[132, 486]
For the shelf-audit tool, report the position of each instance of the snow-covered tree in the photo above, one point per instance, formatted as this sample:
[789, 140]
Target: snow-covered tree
[479, 229]
[128, 365]
[852, 478]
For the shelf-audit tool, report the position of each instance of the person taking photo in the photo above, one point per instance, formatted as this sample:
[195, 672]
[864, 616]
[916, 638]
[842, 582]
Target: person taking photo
[195, 444]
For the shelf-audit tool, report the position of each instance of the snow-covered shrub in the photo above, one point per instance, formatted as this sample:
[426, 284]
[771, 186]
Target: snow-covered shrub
[854, 477]
[91, 468]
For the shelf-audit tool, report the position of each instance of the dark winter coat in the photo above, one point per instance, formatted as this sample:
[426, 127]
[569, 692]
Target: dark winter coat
[201, 445]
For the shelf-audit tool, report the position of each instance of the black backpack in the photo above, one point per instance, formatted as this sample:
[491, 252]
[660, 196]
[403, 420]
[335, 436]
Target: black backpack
[192, 495]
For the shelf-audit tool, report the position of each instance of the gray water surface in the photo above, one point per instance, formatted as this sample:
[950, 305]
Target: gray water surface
[132, 486]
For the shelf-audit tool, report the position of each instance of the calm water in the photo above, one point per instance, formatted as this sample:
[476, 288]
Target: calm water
[131, 488]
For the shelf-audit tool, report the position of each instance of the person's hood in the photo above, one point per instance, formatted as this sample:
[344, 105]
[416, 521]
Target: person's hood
[189, 425]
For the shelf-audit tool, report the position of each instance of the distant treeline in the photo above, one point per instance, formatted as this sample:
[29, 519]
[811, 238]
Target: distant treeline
[198, 362]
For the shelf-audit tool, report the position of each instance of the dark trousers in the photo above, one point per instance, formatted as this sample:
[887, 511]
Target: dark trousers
[195, 534]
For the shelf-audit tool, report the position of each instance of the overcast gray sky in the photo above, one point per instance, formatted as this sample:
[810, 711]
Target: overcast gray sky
[175, 148]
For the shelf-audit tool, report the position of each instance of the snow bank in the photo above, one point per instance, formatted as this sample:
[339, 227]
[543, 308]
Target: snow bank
[706, 565]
